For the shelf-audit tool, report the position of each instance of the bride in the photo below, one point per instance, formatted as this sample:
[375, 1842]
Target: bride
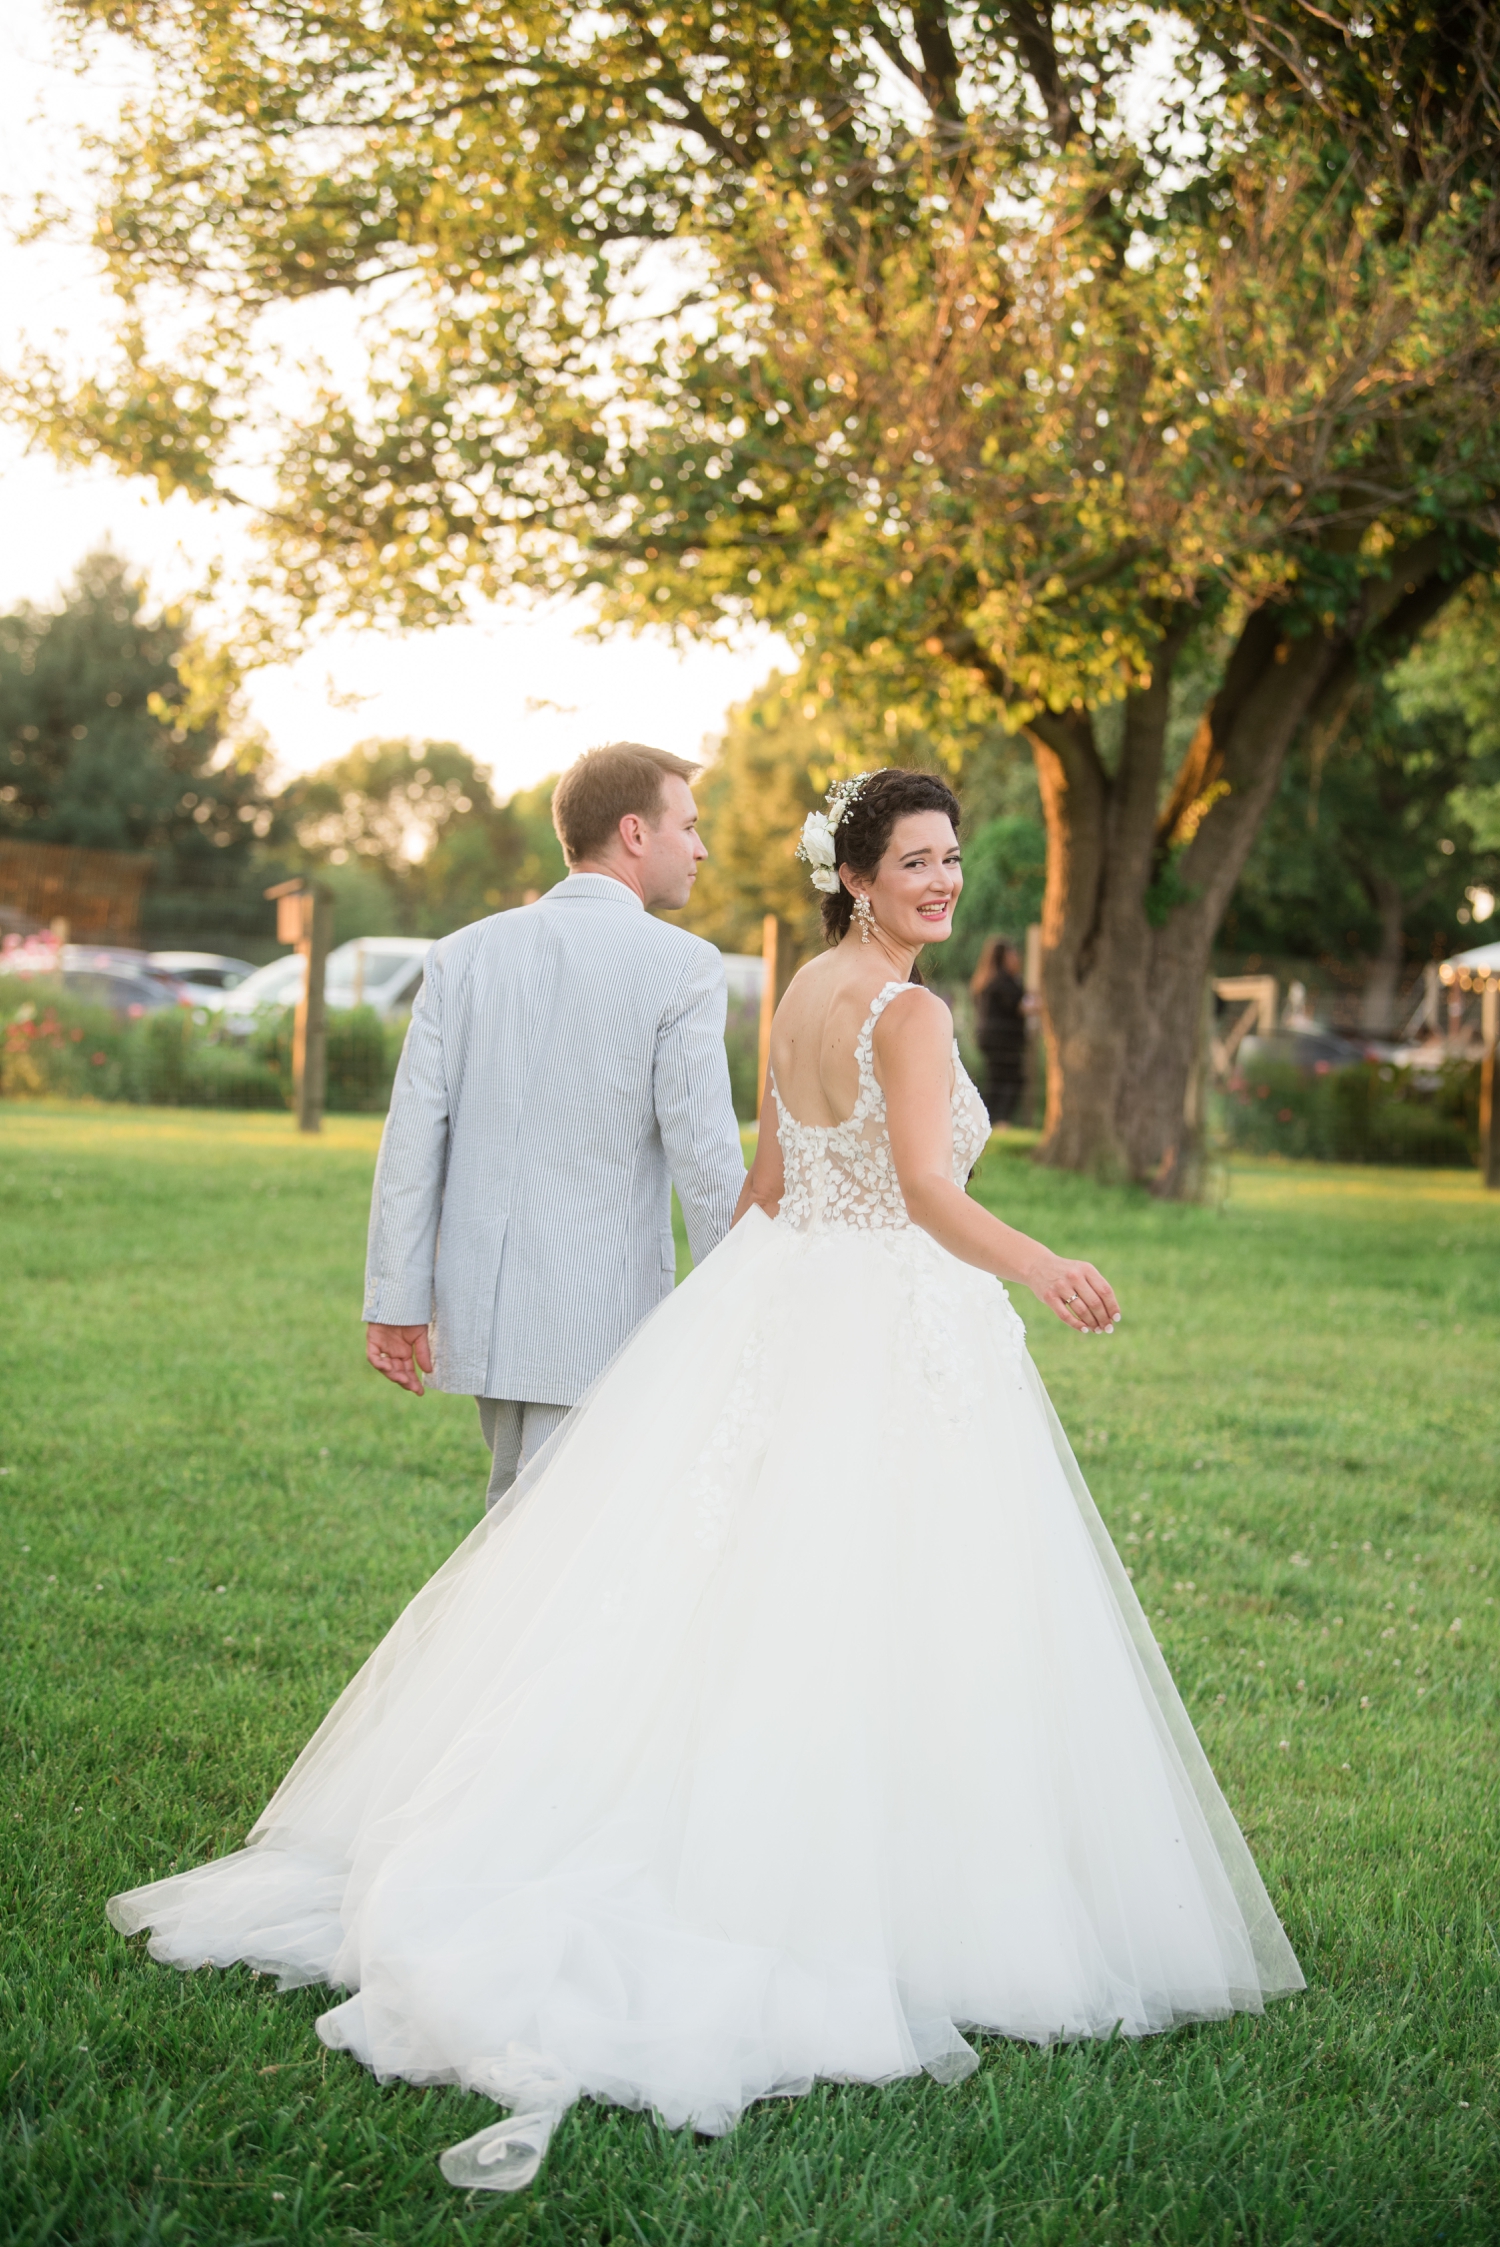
[800, 1714]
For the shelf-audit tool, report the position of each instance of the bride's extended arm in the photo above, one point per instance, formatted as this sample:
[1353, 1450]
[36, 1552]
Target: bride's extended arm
[913, 1059]
[766, 1181]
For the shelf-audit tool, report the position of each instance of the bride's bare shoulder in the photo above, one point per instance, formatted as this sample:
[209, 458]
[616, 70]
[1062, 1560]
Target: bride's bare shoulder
[919, 1009]
[920, 1024]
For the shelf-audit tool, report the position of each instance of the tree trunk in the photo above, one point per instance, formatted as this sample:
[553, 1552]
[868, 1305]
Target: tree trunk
[1377, 1001]
[1137, 886]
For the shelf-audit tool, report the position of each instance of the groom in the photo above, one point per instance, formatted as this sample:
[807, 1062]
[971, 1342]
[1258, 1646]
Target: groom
[564, 1068]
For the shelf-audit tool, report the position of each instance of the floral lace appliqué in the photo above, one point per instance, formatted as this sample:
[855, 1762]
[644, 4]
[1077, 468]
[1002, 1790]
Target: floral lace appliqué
[844, 1174]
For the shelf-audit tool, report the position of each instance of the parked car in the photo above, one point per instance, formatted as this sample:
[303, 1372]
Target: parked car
[383, 972]
[277, 984]
[209, 975]
[1315, 1051]
[106, 975]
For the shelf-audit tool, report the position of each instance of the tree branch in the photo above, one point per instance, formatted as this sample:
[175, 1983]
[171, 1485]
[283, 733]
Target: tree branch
[1394, 610]
[668, 83]
[890, 46]
[940, 63]
[1033, 29]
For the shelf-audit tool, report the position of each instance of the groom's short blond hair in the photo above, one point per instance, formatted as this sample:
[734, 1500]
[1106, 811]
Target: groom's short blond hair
[606, 786]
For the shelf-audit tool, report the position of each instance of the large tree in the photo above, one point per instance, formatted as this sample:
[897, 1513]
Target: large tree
[113, 737]
[1036, 353]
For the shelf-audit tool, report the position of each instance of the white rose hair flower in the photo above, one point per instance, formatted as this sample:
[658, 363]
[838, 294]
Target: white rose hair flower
[817, 849]
[817, 852]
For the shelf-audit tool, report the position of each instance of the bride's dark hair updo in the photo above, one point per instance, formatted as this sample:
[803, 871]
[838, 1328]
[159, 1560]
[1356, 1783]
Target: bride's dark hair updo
[864, 832]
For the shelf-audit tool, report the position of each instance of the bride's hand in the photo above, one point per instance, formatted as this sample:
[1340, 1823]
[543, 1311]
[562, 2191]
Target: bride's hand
[1081, 1296]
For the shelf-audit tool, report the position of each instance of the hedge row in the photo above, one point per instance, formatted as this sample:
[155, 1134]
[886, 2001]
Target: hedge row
[53, 1047]
[1373, 1112]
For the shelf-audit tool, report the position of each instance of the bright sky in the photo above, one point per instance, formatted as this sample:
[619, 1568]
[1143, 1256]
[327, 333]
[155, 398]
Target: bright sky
[523, 692]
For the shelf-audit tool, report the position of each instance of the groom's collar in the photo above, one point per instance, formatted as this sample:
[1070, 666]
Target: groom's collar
[602, 886]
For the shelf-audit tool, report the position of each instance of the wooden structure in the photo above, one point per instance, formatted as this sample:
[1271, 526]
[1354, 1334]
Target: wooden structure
[96, 893]
[1259, 996]
[779, 953]
[1479, 971]
[304, 918]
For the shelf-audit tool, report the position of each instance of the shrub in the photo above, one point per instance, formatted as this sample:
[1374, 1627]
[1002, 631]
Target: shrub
[52, 1048]
[1370, 1113]
[362, 1055]
[172, 1061]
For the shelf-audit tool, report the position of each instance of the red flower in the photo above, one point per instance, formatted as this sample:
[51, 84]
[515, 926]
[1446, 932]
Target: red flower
[97, 1059]
[1283, 1115]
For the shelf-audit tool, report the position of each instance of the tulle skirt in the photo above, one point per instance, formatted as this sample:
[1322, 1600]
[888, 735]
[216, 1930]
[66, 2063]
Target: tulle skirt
[796, 1716]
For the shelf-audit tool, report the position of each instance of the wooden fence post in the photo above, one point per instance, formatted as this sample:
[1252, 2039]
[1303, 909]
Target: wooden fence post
[1489, 1135]
[304, 918]
[770, 950]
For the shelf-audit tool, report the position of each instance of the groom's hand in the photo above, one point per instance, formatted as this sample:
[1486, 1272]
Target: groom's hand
[397, 1352]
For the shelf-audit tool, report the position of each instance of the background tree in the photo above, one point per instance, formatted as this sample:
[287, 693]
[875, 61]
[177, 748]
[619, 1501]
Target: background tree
[1005, 876]
[114, 738]
[411, 836]
[1367, 859]
[1455, 673]
[1002, 350]
[541, 863]
[763, 780]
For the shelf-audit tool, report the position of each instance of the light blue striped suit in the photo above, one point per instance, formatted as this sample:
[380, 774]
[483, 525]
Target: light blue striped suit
[564, 1067]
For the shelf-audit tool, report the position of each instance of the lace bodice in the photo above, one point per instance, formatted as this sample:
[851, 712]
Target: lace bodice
[843, 1174]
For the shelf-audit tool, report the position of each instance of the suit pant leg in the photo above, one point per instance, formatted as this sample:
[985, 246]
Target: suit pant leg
[502, 1421]
[541, 1422]
[515, 1431]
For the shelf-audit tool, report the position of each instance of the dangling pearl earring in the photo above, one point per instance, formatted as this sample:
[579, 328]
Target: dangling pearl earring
[864, 918]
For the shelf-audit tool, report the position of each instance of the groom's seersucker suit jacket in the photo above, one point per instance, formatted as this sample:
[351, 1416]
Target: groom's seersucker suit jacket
[564, 1068]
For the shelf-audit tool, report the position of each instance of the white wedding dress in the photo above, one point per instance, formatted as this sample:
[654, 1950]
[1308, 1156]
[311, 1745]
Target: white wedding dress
[798, 1716]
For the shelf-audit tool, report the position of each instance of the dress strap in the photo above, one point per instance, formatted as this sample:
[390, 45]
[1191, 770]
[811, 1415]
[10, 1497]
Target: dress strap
[864, 1044]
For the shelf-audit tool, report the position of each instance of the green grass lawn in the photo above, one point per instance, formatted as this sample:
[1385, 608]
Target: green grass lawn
[211, 1510]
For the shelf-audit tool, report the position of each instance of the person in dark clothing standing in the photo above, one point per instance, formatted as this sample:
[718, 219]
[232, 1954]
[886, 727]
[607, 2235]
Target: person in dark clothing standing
[1000, 1026]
